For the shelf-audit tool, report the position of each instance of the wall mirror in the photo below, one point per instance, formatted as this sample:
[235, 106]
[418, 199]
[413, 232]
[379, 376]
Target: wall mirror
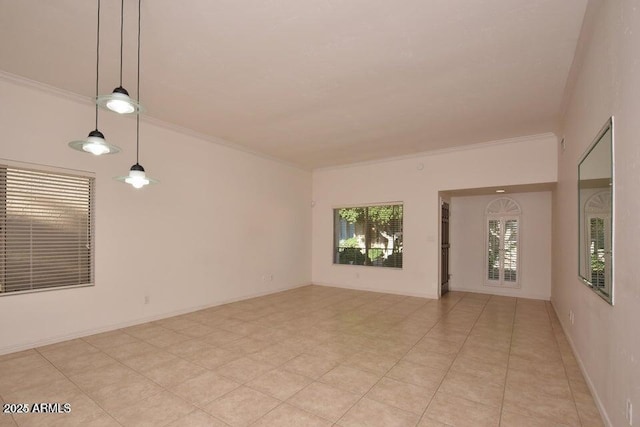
[595, 206]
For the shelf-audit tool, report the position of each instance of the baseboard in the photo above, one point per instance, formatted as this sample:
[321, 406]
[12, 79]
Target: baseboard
[592, 389]
[502, 292]
[112, 327]
[381, 291]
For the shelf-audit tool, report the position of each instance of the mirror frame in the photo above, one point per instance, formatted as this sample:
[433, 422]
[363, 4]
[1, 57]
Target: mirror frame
[609, 125]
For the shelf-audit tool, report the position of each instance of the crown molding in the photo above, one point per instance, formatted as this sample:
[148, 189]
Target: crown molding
[441, 151]
[74, 97]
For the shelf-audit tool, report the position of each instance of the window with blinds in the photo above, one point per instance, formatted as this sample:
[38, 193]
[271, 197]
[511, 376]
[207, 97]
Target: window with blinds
[502, 243]
[46, 230]
[368, 235]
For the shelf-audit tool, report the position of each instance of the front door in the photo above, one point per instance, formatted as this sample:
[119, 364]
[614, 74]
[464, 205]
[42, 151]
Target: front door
[444, 242]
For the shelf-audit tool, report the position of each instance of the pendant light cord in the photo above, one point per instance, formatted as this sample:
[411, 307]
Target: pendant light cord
[121, 37]
[97, 61]
[138, 89]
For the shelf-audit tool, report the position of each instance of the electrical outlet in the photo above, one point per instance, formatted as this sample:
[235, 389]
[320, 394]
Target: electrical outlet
[147, 299]
[629, 412]
[572, 316]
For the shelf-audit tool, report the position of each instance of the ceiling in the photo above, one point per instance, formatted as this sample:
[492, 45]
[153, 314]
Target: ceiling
[315, 82]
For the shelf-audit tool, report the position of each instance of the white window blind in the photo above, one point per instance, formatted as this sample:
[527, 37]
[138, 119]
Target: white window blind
[46, 230]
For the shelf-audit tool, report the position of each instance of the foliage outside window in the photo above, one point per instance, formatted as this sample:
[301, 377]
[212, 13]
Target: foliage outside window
[368, 235]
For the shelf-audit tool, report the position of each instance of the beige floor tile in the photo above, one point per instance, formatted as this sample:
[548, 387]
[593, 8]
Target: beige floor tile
[110, 339]
[28, 376]
[510, 419]
[6, 420]
[485, 354]
[280, 384]
[197, 418]
[429, 422]
[17, 355]
[324, 401]
[102, 421]
[204, 388]
[271, 334]
[92, 381]
[144, 330]
[220, 337]
[310, 366]
[197, 331]
[24, 363]
[473, 388]
[241, 406]
[246, 345]
[127, 351]
[213, 358]
[342, 339]
[499, 342]
[371, 413]
[84, 411]
[58, 390]
[71, 365]
[409, 397]
[153, 411]
[553, 386]
[166, 338]
[587, 410]
[289, 416]
[489, 371]
[541, 405]
[178, 323]
[439, 345]
[276, 354]
[549, 369]
[67, 349]
[457, 411]
[172, 373]
[417, 374]
[448, 333]
[244, 369]
[150, 360]
[371, 362]
[189, 349]
[350, 379]
[424, 357]
[123, 393]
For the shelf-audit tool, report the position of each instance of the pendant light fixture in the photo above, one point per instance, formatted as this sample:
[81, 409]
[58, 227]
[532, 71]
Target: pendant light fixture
[95, 142]
[137, 176]
[119, 100]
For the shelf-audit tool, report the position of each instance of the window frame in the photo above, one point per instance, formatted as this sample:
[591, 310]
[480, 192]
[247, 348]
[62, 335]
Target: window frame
[38, 168]
[335, 239]
[514, 213]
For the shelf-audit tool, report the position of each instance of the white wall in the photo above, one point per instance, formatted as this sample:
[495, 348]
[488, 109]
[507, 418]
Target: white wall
[607, 82]
[218, 222]
[468, 241]
[524, 161]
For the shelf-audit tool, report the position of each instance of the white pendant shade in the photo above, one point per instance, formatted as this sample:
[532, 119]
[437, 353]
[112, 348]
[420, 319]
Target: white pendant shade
[120, 102]
[137, 177]
[94, 144]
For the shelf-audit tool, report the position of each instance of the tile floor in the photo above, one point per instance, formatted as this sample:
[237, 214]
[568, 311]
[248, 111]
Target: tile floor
[315, 356]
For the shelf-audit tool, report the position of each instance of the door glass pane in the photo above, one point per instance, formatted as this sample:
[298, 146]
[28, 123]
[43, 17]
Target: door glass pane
[493, 267]
[510, 250]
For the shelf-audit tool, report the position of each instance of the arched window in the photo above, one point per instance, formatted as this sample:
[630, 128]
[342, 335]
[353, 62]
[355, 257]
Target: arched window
[502, 259]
